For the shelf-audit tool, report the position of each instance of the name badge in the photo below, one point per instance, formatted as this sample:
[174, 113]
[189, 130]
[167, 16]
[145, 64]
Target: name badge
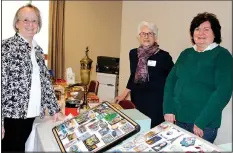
[151, 63]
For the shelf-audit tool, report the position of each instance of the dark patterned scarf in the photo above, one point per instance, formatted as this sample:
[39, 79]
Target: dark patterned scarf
[142, 70]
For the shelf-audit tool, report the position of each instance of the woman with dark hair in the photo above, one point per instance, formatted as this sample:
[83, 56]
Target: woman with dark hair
[149, 68]
[200, 84]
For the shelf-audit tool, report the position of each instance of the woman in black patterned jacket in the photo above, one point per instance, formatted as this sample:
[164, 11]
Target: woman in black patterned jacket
[26, 87]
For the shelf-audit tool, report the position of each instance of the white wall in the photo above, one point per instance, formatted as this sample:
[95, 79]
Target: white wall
[9, 9]
[173, 20]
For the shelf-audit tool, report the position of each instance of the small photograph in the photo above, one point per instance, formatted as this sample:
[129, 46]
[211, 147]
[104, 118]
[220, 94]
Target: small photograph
[74, 148]
[62, 136]
[92, 140]
[100, 109]
[140, 148]
[129, 145]
[100, 116]
[94, 126]
[188, 141]
[159, 146]
[64, 131]
[103, 124]
[90, 148]
[61, 127]
[91, 115]
[139, 138]
[170, 133]
[82, 129]
[104, 131]
[115, 120]
[84, 136]
[123, 121]
[109, 111]
[71, 136]
[153, 140]
[70, 143]
[107, 138]
[80, 119]
[114, 126]
[71, 129]
[149, 135]
[126, 128]
[70, 123]
[110, 117]
[116, 133]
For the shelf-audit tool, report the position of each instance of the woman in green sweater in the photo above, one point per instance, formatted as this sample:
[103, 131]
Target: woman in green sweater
[199, 86]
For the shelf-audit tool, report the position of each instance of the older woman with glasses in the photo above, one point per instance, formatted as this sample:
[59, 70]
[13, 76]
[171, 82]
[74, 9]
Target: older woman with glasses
[149, 68]
[26, 87]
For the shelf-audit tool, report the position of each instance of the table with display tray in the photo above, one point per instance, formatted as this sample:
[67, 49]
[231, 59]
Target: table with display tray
[166, 137]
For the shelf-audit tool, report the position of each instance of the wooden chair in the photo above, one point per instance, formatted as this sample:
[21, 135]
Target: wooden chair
[93, 86]
[127, 104]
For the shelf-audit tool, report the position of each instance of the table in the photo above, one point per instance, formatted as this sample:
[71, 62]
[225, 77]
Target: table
[226, 147]
[44, 140]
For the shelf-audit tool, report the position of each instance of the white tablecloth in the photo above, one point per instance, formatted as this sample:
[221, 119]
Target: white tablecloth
[32, 142]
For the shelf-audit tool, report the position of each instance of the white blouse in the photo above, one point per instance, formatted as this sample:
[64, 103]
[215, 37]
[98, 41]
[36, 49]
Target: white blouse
[35, 92]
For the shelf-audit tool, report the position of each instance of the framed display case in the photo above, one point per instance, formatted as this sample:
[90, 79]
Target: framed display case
[96, 130]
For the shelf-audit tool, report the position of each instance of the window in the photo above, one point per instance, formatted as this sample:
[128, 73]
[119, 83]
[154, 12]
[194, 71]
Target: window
[9, 9]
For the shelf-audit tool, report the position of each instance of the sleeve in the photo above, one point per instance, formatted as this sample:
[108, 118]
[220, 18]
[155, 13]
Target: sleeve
[168, 102]
[131, 78]
[51, 100]
[223, 92]
[167, 63]
[5, 74]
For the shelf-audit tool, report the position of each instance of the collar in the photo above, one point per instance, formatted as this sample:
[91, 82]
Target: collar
[20, 37]
[210, 47]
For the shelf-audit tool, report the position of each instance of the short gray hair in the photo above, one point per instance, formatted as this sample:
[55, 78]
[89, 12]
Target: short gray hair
[37, 11]
[151, 26]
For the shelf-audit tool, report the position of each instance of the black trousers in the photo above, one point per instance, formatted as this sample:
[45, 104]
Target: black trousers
[17, 132]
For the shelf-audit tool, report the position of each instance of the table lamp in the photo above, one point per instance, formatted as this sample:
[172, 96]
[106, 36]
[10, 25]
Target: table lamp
[85, 70]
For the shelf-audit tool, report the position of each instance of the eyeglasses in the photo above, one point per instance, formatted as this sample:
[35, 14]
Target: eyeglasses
[144, 34]
[26, 21]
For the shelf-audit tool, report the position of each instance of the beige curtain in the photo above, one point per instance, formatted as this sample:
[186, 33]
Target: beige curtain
[56, 38]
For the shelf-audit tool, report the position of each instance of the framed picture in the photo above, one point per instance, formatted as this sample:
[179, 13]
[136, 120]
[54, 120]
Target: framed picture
[96, 130]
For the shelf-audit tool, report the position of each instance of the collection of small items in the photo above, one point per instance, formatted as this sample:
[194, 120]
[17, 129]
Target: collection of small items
[165, 138]
[94, 129]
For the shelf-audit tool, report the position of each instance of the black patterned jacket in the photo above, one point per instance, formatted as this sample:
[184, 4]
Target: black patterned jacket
[16, 79]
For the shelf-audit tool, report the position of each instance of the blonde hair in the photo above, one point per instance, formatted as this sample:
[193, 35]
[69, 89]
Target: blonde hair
[37, 11]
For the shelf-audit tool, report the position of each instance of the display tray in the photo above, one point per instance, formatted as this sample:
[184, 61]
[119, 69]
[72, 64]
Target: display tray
[95, 130]
[165, 137]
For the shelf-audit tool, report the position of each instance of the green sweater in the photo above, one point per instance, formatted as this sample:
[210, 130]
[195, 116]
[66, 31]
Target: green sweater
[199, 86]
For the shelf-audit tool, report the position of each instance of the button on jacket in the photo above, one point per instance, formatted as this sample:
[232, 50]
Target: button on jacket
[16, 79]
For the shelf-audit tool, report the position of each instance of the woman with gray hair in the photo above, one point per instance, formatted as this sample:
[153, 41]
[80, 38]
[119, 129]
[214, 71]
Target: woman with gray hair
[26, 87]
[149, 68]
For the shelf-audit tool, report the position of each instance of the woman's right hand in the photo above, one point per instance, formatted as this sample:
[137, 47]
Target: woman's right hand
[170, 118]
[119, 98]
[122, 96]
[3, 132]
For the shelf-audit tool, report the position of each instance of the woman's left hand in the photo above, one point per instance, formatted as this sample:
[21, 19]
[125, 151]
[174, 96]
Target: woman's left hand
[197, 131]
[55, 117]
